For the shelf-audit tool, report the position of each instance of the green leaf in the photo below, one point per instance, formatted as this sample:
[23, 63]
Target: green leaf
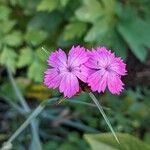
[74, 30]
[35, 37]
[4, 12]
[64, 2]
[101, 14]
[90, 11]
[48, 5]
[7, 25]
[25, 57]
[14, 39]
[38, 21]
[8, 58]
[107, 142]
[97, 32]
[136, 34]
[36, 71]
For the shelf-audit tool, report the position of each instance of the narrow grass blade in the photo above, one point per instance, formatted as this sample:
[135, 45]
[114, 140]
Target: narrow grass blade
[29, 120]
[25, 107]
[104, 115]
[46, 51]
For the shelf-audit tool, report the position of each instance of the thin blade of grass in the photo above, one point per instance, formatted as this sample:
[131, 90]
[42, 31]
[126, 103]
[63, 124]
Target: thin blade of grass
[104, 115]
[28, 121]
[46, 51]
[26, 109]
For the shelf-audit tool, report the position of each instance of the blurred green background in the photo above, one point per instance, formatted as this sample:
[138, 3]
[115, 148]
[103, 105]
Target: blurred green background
[28, 25]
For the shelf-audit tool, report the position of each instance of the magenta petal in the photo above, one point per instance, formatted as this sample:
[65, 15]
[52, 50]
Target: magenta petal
[103, 83]
[57, 58]
[115, 84]
[94, 80]
[93, 59]
[77, 56]
[52, 78]
[118, 66]
[82, 73]
[69, 85]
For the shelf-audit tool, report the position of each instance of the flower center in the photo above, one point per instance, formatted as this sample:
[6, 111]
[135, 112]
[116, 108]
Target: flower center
[69, 69]
[107, 68]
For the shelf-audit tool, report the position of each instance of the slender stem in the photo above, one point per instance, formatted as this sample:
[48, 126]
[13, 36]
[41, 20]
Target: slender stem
[26, 123]
[33, 115]
[103, 114]
[26, 109]
[46, 51]
[17, 91]
[14, 105]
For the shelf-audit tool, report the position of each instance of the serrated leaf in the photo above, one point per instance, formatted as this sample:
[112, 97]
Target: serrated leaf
[8, 58]
[107, 142]
[25, 57]
[14, 39]
[136, 34]
[36, 71]
[48, 5]
[74, 30]
[35, 37]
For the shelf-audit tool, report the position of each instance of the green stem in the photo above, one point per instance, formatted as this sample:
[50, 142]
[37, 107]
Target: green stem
[17, 91]
[26, 109]
[103, 114]
[46, 51]
[36, 112]
[33, 115]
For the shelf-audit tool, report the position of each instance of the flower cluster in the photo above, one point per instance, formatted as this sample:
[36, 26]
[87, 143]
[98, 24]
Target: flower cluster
[99, 68]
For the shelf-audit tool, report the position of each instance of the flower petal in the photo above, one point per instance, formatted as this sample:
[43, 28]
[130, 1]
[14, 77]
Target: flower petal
[93, 59]
[82, 72]
[52, 78]
[57, 59]
[118, 66]
[95, 79]
[115, 85]
[77, 56]
[103, 83]
[69, 85]
[105, 57]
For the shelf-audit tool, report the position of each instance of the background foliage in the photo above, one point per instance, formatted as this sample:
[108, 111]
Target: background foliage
[28, 25]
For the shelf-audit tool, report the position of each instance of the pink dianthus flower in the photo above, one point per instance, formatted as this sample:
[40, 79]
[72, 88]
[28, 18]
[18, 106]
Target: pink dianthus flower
[65, 72]
[107, 71]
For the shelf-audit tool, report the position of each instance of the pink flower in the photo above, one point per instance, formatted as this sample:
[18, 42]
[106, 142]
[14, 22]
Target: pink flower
[107, 71]
[65, 72]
